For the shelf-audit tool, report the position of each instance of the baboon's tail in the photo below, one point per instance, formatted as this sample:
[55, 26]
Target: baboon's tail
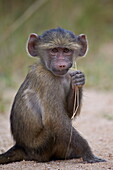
[13, 154]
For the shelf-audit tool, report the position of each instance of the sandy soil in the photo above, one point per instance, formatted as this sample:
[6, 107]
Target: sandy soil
[95, 124]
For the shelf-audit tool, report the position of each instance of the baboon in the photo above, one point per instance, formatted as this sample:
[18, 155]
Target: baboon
[41, 113]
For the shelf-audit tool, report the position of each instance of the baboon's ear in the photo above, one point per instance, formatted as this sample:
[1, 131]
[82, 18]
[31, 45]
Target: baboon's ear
[82, 39]
[32, 44]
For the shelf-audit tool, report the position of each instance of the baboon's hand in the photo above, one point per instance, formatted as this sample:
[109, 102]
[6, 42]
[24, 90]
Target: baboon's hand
[78, 78]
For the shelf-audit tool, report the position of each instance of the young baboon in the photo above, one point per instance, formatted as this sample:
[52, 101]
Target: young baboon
[41, 114]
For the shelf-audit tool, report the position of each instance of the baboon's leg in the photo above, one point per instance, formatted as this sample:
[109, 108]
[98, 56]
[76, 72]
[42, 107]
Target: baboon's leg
[13, 154]
[79, 147]
[72, 145]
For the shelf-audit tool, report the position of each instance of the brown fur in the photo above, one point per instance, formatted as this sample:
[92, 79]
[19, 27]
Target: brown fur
[60, 43]
[41, 114]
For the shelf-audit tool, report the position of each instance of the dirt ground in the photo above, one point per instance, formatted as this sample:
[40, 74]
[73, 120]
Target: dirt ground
[95, 123]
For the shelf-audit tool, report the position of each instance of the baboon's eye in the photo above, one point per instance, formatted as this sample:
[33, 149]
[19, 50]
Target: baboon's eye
[54, 50]
[66, 50]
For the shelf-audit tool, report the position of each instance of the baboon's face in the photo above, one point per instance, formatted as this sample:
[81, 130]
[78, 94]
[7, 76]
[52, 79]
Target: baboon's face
[59, 61]
[57, 49]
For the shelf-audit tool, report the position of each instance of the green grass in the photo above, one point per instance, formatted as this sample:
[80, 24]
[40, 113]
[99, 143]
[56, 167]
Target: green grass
[108, 116]
[98, 70]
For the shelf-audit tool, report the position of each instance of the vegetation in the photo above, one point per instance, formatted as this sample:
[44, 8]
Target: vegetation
[94, 18]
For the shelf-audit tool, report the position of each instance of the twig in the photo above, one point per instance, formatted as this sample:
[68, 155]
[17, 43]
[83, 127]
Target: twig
[75, 109]
[76, 98]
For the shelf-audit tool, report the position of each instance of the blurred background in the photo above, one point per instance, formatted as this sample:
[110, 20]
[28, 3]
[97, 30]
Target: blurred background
[19, 18]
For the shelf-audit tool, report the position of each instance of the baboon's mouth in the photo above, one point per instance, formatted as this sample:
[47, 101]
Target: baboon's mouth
[60, 72]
